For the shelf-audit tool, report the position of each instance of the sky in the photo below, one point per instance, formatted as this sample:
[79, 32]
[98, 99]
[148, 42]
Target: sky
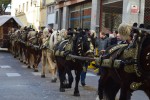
[8, 9]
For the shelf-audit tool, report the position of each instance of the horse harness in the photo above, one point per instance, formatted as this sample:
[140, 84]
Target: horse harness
[66, 48]
[128, 54]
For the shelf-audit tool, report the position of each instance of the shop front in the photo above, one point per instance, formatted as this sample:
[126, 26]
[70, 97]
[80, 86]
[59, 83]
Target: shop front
[80, 15]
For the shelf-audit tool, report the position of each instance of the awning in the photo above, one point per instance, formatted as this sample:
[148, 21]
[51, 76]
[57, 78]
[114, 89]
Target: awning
[5, 18]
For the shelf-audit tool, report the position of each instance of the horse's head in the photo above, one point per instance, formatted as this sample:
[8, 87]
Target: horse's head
[55, 38]
[84, 46]
[63, 33]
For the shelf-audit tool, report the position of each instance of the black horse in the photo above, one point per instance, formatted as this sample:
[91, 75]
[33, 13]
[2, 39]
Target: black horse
[81, 45]
[132, 73]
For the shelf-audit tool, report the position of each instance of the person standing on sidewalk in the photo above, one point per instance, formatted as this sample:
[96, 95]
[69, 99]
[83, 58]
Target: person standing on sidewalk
[102, 43]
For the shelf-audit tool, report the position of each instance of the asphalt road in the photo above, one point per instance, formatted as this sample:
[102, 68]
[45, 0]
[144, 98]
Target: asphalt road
[20, 83]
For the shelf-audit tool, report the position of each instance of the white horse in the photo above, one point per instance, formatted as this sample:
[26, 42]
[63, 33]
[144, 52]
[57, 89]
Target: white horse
[48, 55]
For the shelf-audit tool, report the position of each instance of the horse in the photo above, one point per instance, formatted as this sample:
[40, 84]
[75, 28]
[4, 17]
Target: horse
[79, 45]
[15, 43]
[22, 43]
[48, 55]
[125, 67]
[33, 48]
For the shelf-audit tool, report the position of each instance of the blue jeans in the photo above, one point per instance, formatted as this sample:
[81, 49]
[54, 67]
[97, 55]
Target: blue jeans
[83, 73]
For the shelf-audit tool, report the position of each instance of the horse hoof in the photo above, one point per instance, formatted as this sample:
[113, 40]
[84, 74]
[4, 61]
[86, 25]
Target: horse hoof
[67, 86]
[29, 67]
[33, 66]
[36, 70]
[42, 76]
[62, 90]
[54, 80]
[76, 94]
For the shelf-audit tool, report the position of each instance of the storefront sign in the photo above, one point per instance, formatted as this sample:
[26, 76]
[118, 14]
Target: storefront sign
[134, 9]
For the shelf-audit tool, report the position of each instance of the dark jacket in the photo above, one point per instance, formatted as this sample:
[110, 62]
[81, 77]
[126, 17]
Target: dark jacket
[102, 44]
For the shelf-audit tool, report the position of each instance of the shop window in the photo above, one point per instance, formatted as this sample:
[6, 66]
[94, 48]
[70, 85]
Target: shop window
[86, 19]
[80, 16]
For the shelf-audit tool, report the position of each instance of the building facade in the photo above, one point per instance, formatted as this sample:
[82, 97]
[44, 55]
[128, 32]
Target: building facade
[99, 14]
[50, 13]
[27, 12]
[31, 13]
[93, 14]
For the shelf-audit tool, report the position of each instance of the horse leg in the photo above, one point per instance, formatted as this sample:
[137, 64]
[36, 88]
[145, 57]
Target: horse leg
[21, 54]
[62, 78]
[24, 55]
[52, 67]
[38, 59]
[29, 60]
[101, 82]
[70, 76]
[76, 90]
[113, 86]
[44, 61]
[125, 93]
[35, 63]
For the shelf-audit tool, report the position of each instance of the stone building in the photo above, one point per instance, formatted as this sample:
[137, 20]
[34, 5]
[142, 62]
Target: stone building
[106, 14]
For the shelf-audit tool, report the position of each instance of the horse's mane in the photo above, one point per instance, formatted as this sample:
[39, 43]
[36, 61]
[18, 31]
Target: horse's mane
[54, 39]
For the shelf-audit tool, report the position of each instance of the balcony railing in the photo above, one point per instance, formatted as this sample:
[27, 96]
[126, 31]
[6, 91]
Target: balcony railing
[58, 1]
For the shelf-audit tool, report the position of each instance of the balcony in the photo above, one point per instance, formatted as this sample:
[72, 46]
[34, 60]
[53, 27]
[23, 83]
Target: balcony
[19, 14]
[58, 1]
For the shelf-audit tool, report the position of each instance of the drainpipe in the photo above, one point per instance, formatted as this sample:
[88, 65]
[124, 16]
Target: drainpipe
[100, 20]
[139, 14]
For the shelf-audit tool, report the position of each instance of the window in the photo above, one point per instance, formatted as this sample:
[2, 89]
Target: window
[43, 2]
[80, 16]
[16, 11]
[19, 9]
[50, 9]
[31, 2]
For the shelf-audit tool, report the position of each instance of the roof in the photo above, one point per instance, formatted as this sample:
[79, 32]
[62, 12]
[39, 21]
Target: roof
[5, 18]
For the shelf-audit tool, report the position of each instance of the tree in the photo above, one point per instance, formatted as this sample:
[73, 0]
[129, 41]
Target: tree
[3, 5]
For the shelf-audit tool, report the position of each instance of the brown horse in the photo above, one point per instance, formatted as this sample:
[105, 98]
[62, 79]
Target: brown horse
[129, 69]
[34, 50]
[81, 46]
[22, 43]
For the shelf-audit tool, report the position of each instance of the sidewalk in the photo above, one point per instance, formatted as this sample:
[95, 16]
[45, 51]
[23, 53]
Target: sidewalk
[3, 49]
